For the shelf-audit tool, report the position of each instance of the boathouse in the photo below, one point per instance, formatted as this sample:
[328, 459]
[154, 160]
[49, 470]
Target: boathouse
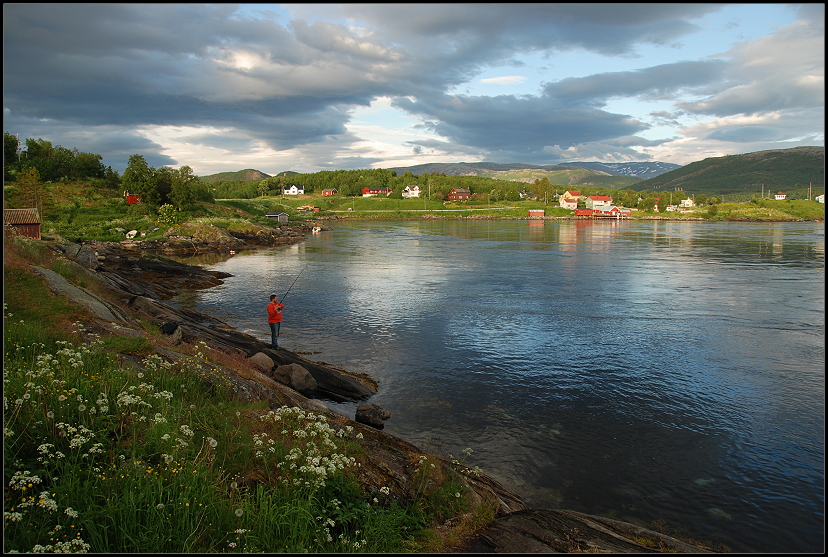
[25, 222]
[281, 217]
[536, 213]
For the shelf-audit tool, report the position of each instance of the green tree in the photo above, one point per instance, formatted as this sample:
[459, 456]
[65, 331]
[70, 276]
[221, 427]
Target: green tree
[30, 190]
[88, 165]
[626, 198]
[701, 199]
[182, 190]
[10, 157]
[139, 179]
[646, 204]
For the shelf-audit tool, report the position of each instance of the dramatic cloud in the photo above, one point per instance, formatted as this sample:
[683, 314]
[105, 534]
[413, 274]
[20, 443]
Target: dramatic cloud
[222, 87]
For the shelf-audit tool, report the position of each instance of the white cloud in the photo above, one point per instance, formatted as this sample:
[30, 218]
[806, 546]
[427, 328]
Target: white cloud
[505, 80]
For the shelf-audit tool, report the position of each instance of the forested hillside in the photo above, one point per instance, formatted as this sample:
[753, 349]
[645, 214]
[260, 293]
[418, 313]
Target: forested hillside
[788, 170]
[246, 174]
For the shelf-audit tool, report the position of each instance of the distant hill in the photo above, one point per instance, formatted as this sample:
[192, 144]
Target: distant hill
[779, 169]
[643, 170]
[246, 174]
[633, 169]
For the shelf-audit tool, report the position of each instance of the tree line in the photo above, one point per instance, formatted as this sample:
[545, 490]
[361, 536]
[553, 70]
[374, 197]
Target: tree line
[41, 161]
[52, 162]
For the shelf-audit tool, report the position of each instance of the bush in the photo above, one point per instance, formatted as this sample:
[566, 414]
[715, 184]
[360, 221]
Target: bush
[167, 214]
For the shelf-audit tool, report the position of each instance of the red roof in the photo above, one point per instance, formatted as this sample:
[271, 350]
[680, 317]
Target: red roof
[600, 198]
[21, 216]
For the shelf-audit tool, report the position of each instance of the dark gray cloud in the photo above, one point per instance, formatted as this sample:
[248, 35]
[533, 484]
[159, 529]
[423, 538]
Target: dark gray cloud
[102, 74]
[658, 82]
[525, 125]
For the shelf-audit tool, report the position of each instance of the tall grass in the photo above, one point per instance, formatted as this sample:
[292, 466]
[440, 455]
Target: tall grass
[106, 456]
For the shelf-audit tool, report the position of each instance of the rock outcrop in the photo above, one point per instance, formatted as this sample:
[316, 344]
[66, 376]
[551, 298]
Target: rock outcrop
[373, 415]
[562, 531]
[142, 285]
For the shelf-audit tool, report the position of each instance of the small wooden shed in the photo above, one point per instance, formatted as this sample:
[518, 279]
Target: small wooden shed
[281, 217]
[26, 222]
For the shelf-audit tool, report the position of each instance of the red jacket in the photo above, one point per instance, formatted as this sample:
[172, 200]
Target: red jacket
[274, 312]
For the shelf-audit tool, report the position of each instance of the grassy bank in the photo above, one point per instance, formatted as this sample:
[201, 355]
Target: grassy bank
[87, 211]
[110, 448]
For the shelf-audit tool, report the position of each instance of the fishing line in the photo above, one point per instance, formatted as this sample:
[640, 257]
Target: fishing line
[297, 278]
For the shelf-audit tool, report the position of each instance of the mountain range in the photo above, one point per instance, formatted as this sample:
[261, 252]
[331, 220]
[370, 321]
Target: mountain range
[641, 170]
[748, 173]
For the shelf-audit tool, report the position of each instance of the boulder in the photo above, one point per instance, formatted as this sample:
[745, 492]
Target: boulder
[296, 377]
[168, 327]
[261, 362]
[373, 415]
[87, 257]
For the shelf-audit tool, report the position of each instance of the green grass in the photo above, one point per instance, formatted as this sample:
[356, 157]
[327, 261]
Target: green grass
[110, 457]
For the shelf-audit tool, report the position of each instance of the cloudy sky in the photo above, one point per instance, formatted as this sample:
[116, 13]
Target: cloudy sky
[317, 87]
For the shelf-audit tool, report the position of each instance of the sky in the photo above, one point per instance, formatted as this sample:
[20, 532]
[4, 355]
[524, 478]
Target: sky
[310, 87]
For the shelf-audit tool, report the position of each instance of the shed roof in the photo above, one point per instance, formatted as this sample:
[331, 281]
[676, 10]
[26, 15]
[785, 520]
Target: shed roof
[21, 216]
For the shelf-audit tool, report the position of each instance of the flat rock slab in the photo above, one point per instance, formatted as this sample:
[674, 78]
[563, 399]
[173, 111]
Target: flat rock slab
[562, 531]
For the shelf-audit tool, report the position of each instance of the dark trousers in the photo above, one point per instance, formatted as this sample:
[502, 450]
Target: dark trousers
[274, 334]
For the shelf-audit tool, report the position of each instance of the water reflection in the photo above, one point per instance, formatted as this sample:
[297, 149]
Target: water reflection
[645, 370]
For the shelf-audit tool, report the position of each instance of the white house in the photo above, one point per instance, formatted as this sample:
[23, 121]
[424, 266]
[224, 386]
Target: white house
[295, 190]
[568, 202]
[411, 191]
[687, 203]
[820, 198]
[598, 202]
[781, 196]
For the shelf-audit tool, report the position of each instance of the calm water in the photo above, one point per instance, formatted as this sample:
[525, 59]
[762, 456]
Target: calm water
[644, 370]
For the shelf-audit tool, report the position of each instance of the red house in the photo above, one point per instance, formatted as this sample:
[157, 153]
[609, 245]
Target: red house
[369, 192]
[26, 222]
[459, 194]
[330, 191]
[132, 198]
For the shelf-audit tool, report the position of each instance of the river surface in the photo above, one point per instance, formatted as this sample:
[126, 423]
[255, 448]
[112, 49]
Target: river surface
[649, 371]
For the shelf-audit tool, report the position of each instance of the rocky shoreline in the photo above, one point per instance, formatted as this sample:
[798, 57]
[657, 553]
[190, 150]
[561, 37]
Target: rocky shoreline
[129, 284]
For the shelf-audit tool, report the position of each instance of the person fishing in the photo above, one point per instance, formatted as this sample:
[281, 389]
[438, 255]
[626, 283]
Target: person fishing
[274, 312]
[274, 319]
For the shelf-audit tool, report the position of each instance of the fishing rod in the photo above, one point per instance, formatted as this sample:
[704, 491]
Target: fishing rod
[297, 278]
